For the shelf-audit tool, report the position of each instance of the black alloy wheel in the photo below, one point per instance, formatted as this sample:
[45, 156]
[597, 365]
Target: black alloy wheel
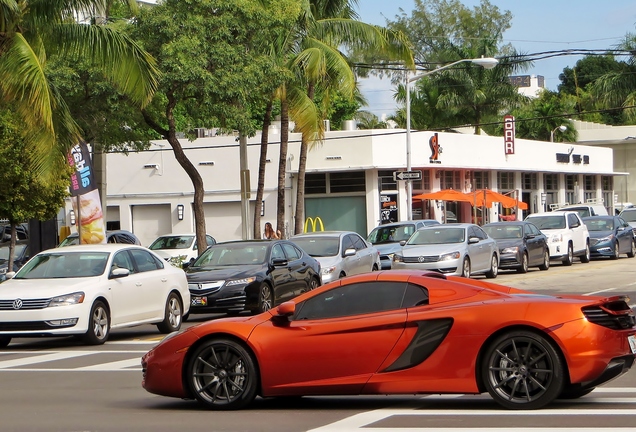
[265, 298]
[522, 370]
[222, 375]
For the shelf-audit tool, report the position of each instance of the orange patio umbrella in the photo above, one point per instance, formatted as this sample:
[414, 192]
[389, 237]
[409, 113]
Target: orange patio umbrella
[492, 196]
[445, 195]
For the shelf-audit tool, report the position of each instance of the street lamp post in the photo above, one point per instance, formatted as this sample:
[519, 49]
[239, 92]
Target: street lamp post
[485, 62]
[562, 128]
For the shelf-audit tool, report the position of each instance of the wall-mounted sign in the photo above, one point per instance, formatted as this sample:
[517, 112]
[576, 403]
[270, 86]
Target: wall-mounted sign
[388, 208]
[436, 149]
[509, 134]
[576, 158]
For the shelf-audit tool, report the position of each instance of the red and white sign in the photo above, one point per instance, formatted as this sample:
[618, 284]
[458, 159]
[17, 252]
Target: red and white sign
[509, 134]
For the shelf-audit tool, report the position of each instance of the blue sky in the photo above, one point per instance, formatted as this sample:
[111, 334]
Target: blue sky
[537, 26]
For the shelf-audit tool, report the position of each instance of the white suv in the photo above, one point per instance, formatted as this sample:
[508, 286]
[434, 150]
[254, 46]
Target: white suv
[567, 235]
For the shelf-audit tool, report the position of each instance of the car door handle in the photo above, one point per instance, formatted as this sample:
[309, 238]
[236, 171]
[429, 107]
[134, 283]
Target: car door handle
[164, 280]
[137, 283]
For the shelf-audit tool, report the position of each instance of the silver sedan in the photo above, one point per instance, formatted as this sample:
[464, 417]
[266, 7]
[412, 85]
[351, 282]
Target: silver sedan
[455, 249]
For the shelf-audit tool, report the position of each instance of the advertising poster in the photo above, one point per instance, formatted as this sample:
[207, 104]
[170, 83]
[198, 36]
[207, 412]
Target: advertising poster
[85, 197]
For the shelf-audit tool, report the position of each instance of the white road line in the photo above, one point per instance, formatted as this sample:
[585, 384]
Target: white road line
[113, 366]
[598, 292]
[56, 370]
[43, 358]
[135, 342]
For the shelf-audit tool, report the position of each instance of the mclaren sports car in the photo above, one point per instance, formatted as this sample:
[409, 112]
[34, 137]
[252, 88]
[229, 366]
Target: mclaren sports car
[402, 332]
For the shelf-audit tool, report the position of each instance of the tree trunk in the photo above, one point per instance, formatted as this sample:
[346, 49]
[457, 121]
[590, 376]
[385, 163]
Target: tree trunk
[14, 234]
[197, 182]
[282, 167]
[258, 205]
[299, 216]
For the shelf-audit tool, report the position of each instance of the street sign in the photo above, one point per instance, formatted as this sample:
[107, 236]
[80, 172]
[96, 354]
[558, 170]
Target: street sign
[407, 175]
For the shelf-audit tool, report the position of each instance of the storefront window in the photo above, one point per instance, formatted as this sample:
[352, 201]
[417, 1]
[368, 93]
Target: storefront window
[505, 181]
[482, 179]
[451, 180]
[590, 187]
[529, 181]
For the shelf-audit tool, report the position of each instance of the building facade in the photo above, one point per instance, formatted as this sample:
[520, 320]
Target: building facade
[351, 180]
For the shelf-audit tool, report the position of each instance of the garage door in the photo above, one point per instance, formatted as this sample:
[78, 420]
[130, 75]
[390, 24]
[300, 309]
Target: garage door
[151, 221]
[223, 220]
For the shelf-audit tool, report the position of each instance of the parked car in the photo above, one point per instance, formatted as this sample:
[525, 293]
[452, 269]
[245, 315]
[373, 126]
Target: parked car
[629, 216]
[386, 238]
[252, 275]
[456, 249]
[349, 338]
[567, 235]
[521, 245]
[610, 236]
[340, 253]
[179, 248]
[20, 256]
[87, 290]
[585, 210]
[117, 236]
[21, 232]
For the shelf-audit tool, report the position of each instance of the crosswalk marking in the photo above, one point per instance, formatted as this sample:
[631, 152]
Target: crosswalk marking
[113, 366]
[41, 358]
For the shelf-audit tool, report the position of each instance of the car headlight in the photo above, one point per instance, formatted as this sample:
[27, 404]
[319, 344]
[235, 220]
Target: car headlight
[398, 258]
[606, 239]
[244, 281]
[67, 299]
[328, 270]
[449, 256]
[510, 250]
[391, 256]
[3, 271]
[556, 238]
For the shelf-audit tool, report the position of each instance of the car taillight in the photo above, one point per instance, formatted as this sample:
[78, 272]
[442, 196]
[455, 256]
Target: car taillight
[616, 315]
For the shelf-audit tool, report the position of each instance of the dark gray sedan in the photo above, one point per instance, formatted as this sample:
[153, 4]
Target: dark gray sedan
[610, 236]
[521, 245]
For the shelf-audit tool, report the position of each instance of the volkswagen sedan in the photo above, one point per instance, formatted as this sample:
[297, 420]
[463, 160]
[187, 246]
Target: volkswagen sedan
[88, 290]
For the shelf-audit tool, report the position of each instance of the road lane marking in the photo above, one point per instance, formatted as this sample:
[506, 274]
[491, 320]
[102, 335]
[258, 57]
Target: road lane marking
[113, 366]
[43, 358]
[598, 292]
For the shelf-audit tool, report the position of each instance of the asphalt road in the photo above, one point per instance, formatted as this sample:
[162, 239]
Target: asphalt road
[59, 385]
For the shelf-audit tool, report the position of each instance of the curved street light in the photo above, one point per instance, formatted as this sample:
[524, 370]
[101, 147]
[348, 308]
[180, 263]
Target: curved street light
[562, 128]
[485, 62]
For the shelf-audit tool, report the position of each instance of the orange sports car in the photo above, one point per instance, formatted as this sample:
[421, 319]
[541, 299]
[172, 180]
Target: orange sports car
[402, 332]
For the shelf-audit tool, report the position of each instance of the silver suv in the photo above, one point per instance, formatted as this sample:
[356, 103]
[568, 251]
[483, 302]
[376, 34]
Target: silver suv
[567, 235]
[629, 216]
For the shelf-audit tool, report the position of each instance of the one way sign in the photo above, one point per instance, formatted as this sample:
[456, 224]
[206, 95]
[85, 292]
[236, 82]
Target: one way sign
[407, 175]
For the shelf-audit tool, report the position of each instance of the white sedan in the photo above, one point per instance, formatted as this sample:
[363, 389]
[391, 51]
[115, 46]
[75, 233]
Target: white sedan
[88, 290]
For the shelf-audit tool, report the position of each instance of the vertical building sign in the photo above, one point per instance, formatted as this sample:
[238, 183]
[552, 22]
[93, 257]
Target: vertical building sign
[388, 208]
[509, 134]
[86, 202]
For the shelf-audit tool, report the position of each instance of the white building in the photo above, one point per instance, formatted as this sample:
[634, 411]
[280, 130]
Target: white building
[349, 181]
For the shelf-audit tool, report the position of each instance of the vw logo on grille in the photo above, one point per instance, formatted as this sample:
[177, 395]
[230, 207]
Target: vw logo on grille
[200, 286]
[421, 259]
[17, 304]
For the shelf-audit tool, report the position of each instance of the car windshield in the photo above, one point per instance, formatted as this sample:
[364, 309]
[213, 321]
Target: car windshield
[391, 234]
[599, 224]
[500, 232]
[629, 216]
[172, 242]
[430, 236]
[4, 252]
[549, 222]
[70, 241]
[233, 255]
[319, 246]
[57, 265]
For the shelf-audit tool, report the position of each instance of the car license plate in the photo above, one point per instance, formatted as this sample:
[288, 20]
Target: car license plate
[203, 301]
[632, 343]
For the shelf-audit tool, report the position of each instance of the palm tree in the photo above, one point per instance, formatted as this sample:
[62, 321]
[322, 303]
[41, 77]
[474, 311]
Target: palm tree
[32, 30]
[323, 30]
[368, 120]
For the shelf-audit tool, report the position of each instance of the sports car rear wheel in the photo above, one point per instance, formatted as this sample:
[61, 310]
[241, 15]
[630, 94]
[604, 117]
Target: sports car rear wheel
[222, 375]
[522, 370]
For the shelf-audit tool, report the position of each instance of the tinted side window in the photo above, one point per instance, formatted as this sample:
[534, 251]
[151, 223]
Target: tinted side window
[471, 232]
[480, 233]
[573, 221]
[277, 252]
[122, 260]
[291, 252]
[347, 243]
[415, 296]
[210, 240]
[358, 242]
[145, 261]
[353, 299]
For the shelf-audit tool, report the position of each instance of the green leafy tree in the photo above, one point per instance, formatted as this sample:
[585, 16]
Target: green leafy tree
[368, 120]
[24, 194]
[216, 70]
[33, 31]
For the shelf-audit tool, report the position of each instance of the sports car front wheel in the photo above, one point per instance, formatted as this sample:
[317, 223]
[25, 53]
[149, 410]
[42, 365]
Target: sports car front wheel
[522, 370]
[222, 375]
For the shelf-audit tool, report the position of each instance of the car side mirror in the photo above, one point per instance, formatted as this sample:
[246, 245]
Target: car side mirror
[286, 309]
[349, 252]
[279, 262]
[402, 242]
[119, 273]
[473, 240]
